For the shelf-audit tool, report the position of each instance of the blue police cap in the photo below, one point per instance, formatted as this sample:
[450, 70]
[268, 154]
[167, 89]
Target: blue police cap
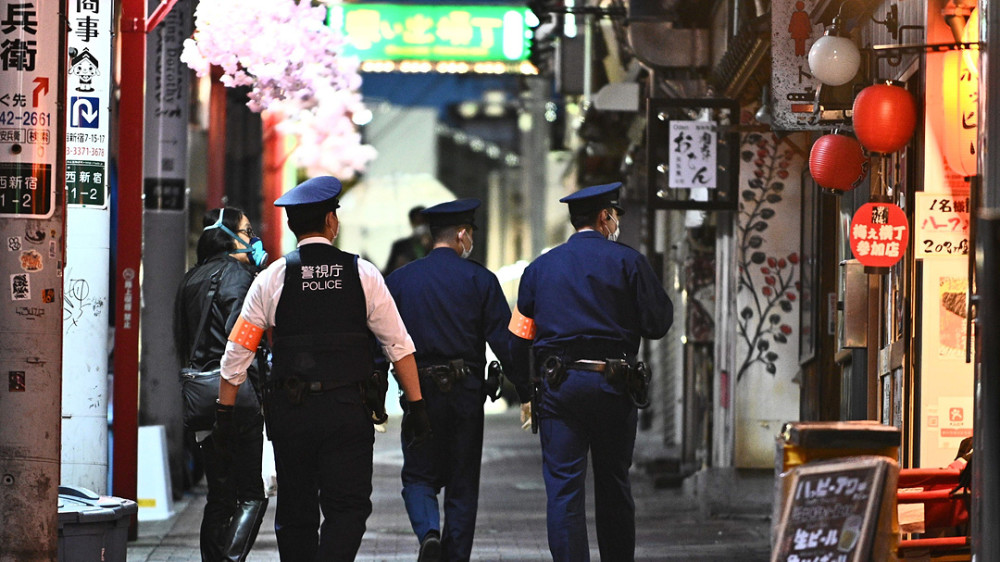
[320, 189]
[460, 211]
[594, 198]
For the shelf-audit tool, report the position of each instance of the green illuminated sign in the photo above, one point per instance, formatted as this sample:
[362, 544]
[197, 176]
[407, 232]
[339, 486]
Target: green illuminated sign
[393, 32]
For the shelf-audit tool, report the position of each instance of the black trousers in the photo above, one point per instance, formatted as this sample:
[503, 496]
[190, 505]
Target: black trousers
[240, 481]
[323, 454]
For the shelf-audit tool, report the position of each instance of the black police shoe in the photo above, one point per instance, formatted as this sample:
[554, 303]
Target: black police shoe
[430, 547]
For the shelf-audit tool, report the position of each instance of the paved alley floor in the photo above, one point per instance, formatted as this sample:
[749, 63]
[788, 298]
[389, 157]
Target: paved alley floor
[511, 521]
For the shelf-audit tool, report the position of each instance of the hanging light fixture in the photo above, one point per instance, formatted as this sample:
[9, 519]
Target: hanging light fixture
[885, 117]
[834, 58]
[837, 163]
[960, 89]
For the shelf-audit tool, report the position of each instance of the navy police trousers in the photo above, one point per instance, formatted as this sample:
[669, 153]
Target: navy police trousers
[585, 414]
[323, 455]
[451, 460]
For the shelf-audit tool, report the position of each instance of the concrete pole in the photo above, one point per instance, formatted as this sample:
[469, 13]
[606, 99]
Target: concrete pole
[32, 226]
[535, 135]
[88, 247]
[985, 515]
[165, 228]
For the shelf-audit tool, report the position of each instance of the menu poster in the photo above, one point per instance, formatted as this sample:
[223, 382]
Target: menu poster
[832, 510]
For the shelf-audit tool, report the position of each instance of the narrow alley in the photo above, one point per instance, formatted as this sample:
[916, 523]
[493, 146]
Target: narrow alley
[511, 522]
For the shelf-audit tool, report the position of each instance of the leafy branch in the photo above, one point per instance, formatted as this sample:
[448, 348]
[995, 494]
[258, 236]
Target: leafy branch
[761, 322]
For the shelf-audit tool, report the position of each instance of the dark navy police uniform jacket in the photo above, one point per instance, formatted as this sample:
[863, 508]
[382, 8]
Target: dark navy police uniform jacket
[590, 299]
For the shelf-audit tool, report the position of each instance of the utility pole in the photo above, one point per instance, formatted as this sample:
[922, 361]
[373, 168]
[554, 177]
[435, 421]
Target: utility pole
[165, 225]
[32, 225]
[88, 247]
[535, 139]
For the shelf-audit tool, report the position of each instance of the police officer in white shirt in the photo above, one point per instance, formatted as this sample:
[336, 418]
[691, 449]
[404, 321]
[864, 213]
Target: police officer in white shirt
[323, 305]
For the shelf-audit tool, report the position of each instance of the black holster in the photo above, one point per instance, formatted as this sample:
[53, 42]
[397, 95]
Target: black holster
[637, 385]
[553, 371]
[493, 385]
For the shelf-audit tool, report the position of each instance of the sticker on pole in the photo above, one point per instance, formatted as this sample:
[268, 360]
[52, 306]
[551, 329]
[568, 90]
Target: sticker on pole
[879, 234]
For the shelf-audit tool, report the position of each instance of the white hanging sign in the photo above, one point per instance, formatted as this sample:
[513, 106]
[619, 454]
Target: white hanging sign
[693, 154]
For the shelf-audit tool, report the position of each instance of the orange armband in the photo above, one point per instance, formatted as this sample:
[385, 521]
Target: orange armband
[246, 334]
[521, 326]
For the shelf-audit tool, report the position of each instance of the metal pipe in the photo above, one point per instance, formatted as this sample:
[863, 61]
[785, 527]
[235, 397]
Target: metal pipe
[128, 257]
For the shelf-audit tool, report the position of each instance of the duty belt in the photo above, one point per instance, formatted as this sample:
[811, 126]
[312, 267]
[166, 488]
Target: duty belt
[295, 387]
[445, 375]
[634, 380]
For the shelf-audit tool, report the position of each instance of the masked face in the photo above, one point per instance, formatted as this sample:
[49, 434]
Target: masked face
[246, 242]
[613, 236]
[466, 252]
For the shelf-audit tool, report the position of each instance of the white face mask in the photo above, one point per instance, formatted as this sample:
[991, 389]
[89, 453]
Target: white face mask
[613, 236]
[466, 253]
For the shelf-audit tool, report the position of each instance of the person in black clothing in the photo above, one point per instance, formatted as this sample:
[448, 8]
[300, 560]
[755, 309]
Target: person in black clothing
[413, 247]
[228, 250]
[321, 305]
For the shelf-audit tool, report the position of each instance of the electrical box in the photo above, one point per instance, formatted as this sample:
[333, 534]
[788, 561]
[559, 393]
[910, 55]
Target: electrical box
[852, 309]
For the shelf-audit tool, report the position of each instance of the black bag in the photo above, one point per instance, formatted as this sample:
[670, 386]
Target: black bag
[200, 388]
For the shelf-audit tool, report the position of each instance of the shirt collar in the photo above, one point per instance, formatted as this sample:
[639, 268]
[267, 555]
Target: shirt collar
[314, 240]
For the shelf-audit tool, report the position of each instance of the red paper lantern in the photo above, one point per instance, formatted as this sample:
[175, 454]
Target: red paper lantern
[885, 116]
[837, 162]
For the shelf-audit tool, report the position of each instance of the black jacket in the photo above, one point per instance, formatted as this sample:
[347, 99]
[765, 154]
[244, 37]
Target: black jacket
[234, 282]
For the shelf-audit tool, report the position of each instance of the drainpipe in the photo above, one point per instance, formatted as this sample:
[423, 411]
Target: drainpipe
[985, 515]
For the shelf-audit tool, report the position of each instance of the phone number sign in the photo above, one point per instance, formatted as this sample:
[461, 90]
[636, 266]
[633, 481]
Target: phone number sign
[29, 70]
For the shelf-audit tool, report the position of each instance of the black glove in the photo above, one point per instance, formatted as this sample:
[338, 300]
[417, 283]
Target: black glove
[375, 387]
[416, 425]
[224, 431]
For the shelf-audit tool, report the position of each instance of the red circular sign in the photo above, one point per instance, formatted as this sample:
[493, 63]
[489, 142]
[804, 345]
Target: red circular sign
[879, 234]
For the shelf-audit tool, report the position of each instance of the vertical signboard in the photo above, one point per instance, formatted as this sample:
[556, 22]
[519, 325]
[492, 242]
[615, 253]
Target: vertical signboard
[792, 86]
[31, 260]
[164, 220]
[27, 110]
[88, 103]
[165, 160]
[88, 233]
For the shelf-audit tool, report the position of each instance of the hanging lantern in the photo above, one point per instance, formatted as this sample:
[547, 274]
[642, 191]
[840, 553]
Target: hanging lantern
[960, 87]
[885, 116]
[837, 163]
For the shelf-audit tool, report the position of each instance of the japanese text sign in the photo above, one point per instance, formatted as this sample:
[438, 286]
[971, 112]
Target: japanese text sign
[942, 225]
[831, 511]
[879, 234]
[470, 33]
[693, 155]
[88, 103]
[30, 64]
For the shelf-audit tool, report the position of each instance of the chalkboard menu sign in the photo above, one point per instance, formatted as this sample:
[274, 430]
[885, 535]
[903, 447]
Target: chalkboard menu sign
[832, 508]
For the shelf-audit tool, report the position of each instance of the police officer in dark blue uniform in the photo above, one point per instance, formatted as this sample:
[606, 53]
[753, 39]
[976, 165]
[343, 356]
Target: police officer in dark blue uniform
[323, 304]
[586, 304]
[452, 307]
